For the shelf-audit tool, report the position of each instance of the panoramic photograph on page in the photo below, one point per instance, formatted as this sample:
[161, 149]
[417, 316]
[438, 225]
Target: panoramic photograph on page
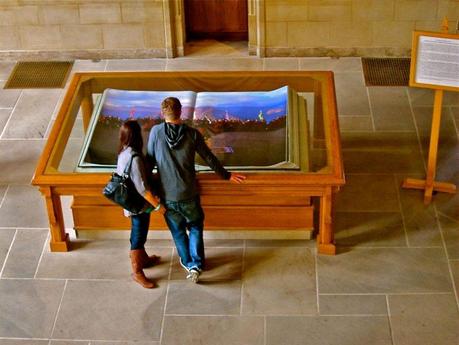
[117, 106]
[243, 129]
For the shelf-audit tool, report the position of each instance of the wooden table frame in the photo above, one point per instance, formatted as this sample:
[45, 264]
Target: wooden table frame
[283, 190]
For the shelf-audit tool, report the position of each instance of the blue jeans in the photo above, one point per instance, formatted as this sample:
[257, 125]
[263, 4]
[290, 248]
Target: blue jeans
[139, 230]
[180, 217]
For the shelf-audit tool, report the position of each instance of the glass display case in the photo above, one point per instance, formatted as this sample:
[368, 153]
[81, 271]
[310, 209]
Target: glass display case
[270, 199]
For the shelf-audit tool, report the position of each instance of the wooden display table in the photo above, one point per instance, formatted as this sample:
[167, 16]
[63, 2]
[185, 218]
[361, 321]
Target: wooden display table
[267, 200]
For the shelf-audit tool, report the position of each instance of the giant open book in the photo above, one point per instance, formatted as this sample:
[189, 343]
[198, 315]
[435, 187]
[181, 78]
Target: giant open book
[245, 130]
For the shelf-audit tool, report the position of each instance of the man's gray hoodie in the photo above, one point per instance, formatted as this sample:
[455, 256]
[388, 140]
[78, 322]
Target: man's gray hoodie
[172, 148]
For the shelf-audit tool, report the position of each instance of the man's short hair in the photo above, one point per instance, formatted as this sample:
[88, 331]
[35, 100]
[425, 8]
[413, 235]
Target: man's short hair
[171, 107]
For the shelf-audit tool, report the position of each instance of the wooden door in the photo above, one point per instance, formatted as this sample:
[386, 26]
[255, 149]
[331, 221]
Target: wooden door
[217, 19]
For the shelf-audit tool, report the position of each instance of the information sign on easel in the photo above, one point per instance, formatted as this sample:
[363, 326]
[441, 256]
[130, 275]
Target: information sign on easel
[434, 65]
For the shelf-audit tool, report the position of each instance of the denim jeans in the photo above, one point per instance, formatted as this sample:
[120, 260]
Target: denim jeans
[180, 217]
[139, 230]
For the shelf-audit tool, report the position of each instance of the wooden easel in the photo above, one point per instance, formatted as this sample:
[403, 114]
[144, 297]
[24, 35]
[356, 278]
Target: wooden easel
[429, 184]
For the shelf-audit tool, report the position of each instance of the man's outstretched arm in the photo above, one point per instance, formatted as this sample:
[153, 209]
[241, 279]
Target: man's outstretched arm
[213, 162]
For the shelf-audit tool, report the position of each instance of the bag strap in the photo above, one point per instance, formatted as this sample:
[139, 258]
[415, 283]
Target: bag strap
[127, 169]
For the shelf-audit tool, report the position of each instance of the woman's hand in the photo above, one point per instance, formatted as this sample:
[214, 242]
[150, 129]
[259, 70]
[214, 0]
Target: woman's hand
[237, 178]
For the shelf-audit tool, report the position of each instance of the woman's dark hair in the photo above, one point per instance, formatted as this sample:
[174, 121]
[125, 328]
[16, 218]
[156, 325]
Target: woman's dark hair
[131, 135]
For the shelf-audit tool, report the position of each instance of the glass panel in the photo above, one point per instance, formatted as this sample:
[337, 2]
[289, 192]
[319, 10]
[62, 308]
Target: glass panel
[310, 142]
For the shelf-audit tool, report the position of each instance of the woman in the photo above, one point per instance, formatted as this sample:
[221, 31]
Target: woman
[131, 143]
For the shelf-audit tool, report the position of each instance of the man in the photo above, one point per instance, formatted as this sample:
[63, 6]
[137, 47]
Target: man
[171, 148]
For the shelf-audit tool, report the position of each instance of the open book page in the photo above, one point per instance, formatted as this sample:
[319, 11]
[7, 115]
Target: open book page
[244, 129]
[117, 106]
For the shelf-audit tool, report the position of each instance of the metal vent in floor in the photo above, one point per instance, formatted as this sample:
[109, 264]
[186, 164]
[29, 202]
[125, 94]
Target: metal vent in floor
[39, 74]
[386, 71]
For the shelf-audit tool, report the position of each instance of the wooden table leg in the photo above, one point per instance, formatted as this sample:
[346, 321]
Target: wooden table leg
[59, 238]
[325, 243]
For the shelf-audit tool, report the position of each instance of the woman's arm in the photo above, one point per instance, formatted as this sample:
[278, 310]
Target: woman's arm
[139, 178]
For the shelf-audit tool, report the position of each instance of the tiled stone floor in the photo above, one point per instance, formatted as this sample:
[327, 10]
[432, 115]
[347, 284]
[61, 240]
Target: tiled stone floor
[394, 281]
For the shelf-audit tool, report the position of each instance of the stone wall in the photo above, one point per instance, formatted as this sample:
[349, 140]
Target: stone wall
[351, 27]
[82, 28]
[137, 28]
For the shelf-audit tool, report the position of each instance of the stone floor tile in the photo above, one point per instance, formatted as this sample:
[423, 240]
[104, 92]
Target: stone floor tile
[6, 238]
[124, 343]
[151, 244]
[450, 229]
[347, 64]
[211, 330]
[455, 271]
[136, 65]
[280, 64]
[355, 123]
[23, 342]
[342, 64]
[385, 270]
[18, 159]
[316, 63]
[107, 259]
[221, 264]
[365, 193]
[4, 116]
[212, 47]
[32, 114]
[25, 253]
[69, 342]
[381, 152]
[28, 307]
[423, 117]
[8, 97]
[3, 189]
[129, 312]
[425, 97]
[424, 319]
[327, 330]
[447, 167]
[223, 243]
[204, 298]
[369, 229]
[420, 220]
[214, 64]
[352, 305]
[89, 65]
[291, 290]
[6, 67]
[391, 108]
[351, 94]
[279, 243]
[448, 171]
[16, 210]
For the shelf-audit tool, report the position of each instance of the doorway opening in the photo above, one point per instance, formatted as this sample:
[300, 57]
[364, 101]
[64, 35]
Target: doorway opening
[216, 27]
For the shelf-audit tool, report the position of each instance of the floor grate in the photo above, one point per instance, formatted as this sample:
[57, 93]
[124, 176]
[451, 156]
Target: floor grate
[39, 74]
[386, 71]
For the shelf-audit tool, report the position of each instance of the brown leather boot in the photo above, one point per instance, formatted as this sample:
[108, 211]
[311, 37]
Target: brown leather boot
[149, 260]
[137, 269]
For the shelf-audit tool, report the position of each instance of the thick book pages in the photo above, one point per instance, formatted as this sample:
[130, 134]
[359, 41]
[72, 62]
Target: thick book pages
[245, 130]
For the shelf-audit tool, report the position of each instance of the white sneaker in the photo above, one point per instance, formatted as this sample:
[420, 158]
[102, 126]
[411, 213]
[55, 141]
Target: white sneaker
[193, 275]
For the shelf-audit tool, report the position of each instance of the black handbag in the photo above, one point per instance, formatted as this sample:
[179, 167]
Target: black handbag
[121, 190]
